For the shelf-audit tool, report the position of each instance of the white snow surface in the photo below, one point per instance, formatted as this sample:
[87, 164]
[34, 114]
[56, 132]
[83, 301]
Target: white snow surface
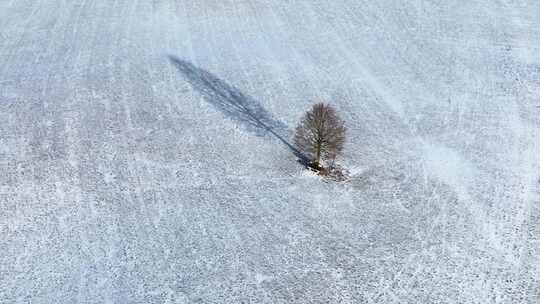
[145, 158]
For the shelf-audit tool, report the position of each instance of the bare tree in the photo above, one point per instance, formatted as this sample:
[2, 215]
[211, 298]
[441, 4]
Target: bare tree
[320, 135]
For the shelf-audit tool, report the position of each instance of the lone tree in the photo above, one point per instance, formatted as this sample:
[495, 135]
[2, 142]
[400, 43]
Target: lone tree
[320, 135]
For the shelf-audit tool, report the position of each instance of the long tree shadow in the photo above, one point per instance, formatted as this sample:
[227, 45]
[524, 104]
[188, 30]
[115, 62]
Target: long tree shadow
[235, 104]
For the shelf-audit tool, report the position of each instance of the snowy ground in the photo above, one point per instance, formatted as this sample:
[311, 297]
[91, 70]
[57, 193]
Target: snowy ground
[131, 170]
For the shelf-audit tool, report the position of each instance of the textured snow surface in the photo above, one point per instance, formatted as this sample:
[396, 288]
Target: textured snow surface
[145, 157]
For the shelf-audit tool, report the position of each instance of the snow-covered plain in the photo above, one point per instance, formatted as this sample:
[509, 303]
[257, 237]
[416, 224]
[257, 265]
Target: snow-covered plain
[145, 158]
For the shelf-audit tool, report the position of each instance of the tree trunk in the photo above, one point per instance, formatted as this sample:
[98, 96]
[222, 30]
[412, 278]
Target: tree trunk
[318, 156]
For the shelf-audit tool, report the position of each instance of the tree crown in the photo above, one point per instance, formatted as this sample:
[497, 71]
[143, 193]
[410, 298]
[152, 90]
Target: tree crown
[320, 135]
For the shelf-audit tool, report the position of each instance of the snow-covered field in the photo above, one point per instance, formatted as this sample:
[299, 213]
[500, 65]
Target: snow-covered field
[131, 169]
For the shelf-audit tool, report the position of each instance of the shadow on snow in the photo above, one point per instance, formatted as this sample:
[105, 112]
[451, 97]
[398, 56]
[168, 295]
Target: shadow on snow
[234, 104]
